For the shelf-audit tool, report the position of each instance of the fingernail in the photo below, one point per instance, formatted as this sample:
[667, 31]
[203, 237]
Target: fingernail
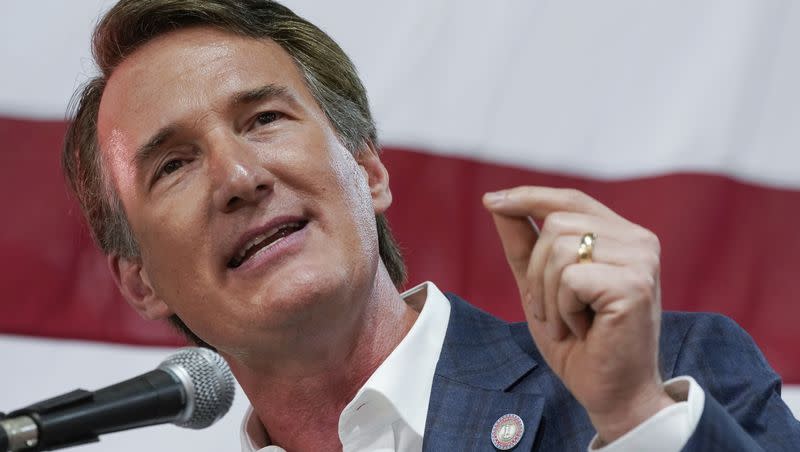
[494, 197]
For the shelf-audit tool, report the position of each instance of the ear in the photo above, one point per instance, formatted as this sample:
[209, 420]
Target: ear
[132, 280]
[377, 177]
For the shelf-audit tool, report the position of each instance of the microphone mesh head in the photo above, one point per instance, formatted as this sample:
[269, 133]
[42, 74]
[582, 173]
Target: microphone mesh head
[211, 389]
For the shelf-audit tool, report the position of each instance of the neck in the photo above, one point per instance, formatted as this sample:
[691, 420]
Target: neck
[290, 395]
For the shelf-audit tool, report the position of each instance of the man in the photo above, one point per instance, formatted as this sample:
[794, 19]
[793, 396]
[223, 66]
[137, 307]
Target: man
[228, 164]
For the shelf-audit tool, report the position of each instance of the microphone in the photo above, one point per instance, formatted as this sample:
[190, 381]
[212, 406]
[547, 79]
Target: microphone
[192, 388]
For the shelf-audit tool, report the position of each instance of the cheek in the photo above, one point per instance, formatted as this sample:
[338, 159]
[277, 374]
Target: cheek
[352, 183]
[325, 170]
[174, 244]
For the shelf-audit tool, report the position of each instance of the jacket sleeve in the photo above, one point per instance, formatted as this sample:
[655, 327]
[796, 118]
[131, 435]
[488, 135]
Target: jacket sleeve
[743, 408]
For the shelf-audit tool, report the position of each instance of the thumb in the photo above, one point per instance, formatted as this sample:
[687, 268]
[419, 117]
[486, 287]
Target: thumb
[518, 237]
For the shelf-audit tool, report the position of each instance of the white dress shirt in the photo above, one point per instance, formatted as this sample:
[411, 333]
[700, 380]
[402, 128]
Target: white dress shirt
[388, 413]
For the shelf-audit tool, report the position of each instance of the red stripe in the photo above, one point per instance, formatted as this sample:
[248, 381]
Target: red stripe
[728, 246]
[52, 279]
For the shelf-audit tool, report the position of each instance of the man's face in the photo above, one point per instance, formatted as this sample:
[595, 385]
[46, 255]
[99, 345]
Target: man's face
[252, 218]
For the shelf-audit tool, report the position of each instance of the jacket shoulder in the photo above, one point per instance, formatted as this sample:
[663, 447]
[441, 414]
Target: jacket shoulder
[694, 343]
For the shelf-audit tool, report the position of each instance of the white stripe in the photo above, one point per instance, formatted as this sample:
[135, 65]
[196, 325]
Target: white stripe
[36, 369]
[791, 395]
[612, 89]
[45, 54]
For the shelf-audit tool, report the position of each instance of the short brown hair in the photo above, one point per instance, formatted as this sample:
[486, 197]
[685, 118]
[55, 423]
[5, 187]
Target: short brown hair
[328, 73]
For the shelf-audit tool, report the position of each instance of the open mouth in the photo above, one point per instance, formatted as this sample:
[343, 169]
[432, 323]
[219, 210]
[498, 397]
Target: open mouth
[265, 240]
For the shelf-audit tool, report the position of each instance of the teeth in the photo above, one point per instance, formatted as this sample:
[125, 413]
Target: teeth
[261, 237]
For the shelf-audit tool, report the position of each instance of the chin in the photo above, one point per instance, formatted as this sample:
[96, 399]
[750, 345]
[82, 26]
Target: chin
[310, 291]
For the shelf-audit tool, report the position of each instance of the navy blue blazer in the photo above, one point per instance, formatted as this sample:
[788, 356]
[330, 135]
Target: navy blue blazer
[489, 368]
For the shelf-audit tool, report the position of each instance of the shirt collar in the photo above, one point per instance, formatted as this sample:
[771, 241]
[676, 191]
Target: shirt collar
[400, 387]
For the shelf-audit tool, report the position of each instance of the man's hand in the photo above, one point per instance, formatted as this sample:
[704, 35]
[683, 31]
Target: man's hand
[596, 323]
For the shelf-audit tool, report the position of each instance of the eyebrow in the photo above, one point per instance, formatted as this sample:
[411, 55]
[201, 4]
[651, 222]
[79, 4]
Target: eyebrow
[146, 151]
[265, 92]
[269, 91]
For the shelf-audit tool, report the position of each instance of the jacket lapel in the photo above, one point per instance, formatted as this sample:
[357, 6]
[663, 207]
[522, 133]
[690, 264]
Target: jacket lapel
[479, 363]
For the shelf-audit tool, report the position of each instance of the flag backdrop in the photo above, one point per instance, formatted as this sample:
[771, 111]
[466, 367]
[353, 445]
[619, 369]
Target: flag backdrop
[683, 116]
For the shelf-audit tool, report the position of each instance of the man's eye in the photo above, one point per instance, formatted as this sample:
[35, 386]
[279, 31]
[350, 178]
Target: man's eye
[267, 117]
[171, 166]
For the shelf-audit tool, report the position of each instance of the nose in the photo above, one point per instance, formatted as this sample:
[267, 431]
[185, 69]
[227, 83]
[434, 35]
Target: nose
[239, 176]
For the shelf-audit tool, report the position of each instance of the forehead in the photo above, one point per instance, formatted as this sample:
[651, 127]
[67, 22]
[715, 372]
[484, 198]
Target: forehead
[177, 63]
[182, 76]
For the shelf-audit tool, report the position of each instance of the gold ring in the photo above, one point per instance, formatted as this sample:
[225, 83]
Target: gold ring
[586, 248]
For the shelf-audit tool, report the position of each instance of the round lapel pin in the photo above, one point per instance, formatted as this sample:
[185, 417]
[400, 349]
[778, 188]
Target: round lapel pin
[507, 431]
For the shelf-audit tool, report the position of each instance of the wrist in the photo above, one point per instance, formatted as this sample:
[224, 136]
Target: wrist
[611, 424]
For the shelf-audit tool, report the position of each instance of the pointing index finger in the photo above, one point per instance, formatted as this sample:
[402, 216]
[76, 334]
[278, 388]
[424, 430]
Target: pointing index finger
[538, 202]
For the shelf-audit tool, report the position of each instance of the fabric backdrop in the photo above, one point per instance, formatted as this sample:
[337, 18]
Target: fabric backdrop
[683, 116]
